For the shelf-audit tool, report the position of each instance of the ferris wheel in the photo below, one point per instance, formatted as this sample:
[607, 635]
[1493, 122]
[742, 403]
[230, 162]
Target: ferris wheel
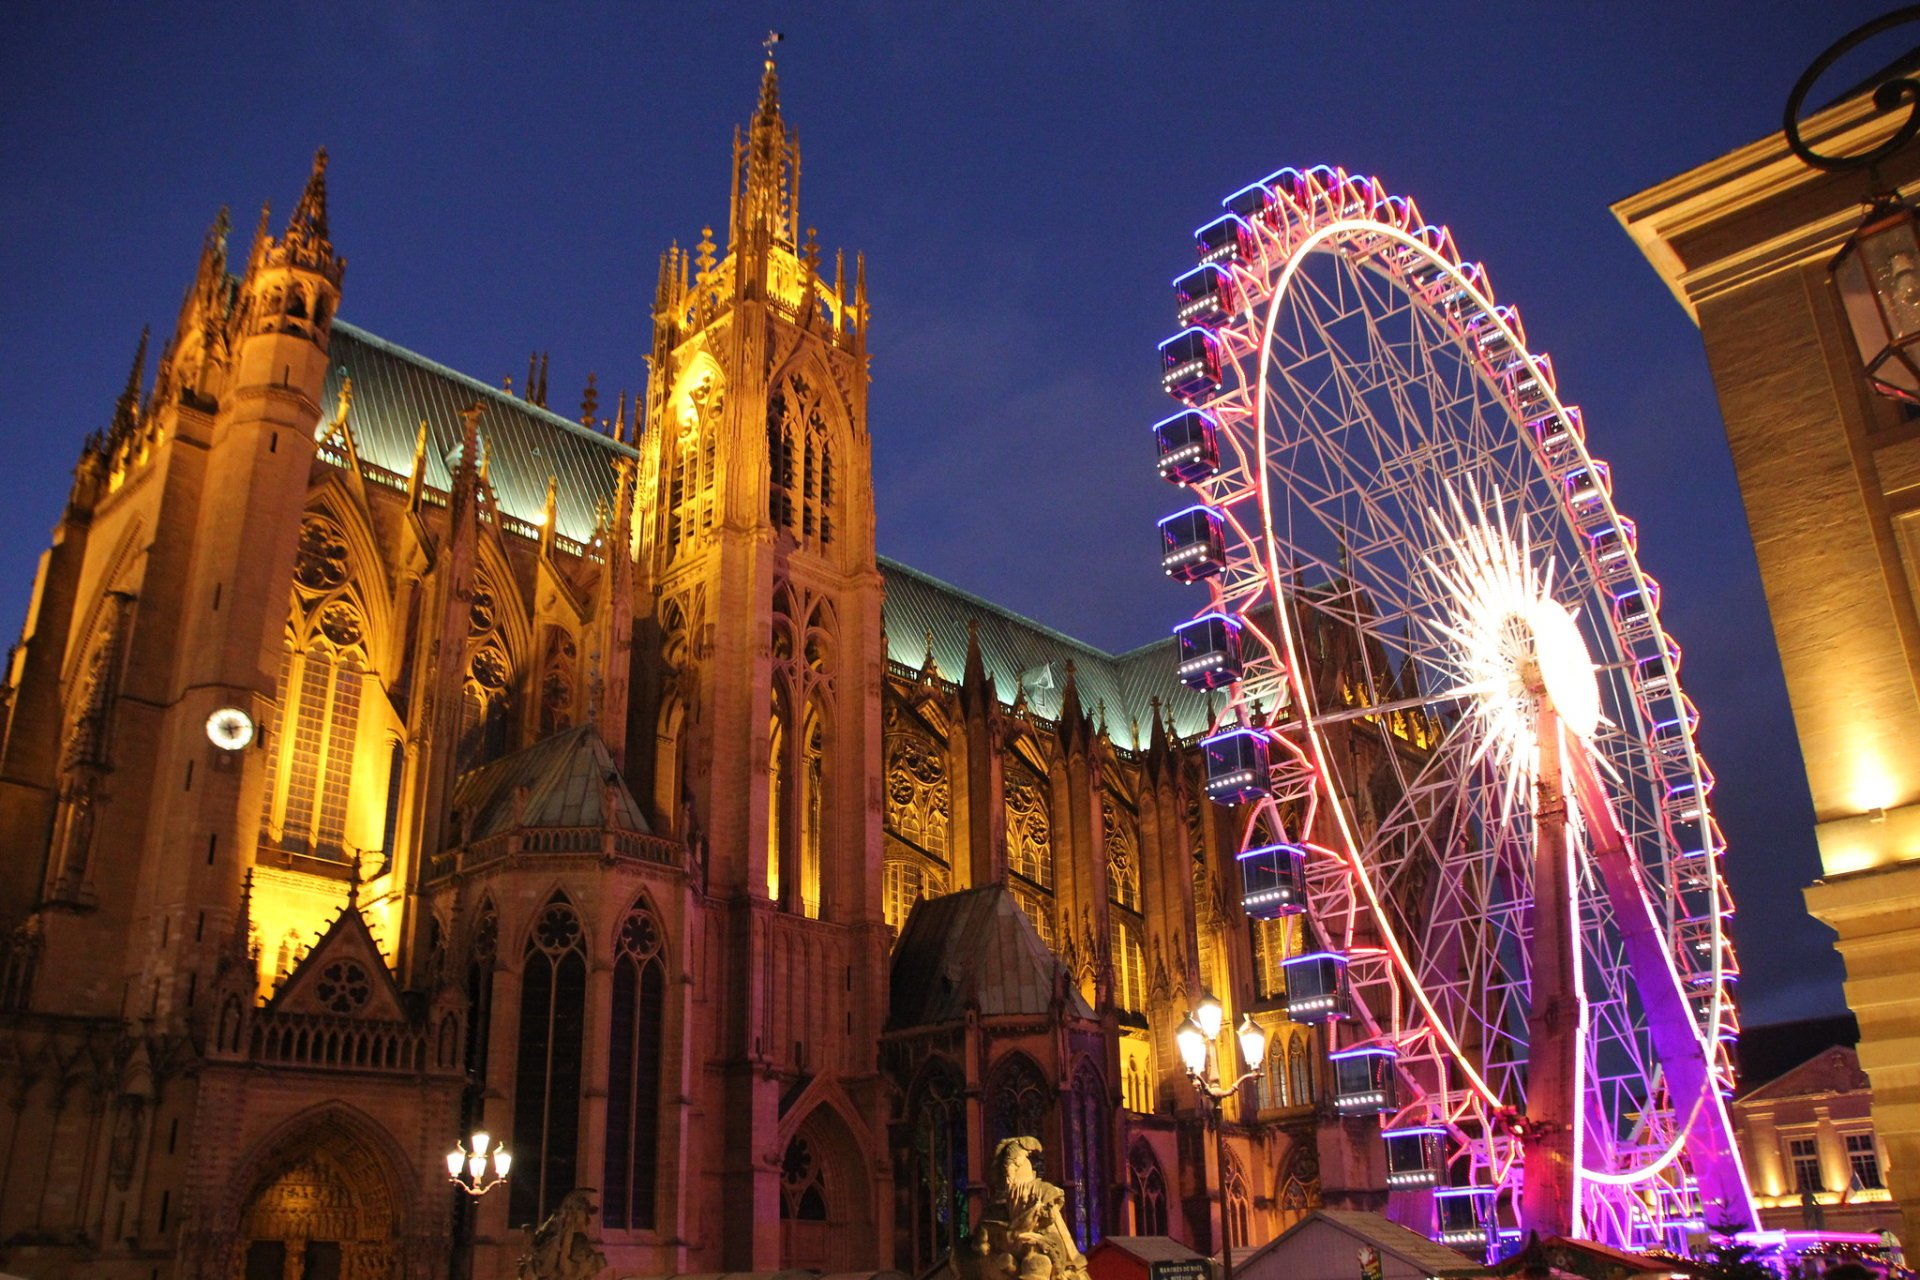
[1516, 925]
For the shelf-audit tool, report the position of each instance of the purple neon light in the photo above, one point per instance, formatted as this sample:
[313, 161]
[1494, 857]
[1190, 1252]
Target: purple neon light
[1184, 511]
[1187, 413]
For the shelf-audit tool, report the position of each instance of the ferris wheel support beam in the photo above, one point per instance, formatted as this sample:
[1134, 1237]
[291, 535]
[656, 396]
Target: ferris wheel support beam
[1700, 1111]
[1549, 1194]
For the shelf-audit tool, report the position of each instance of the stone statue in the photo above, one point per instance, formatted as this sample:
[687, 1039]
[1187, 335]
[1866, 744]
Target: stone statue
[1023, 1234]
[559, 1248]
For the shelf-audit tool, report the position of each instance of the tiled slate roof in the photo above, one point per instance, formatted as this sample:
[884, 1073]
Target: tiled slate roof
[393, 389]
[1021, 653]
[569, 778]
[974, 949]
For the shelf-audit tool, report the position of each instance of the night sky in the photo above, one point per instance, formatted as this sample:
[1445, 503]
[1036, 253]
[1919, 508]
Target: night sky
[1023, 179]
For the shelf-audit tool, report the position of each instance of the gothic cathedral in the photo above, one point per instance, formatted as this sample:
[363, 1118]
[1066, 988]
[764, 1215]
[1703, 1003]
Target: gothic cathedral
[388, 756]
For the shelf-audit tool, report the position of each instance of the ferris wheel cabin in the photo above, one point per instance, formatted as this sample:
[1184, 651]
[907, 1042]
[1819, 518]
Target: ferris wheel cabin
[1190, 364]
[1209, 653]
[1193, 544]
[1189, 446]
[1239, 766]
[1205, 296]
[1364, 1081]
[1227, 239]
[1316, 986]
[1252, 203]
[1414, 1156]
[1273, 880]
[1465, 1216]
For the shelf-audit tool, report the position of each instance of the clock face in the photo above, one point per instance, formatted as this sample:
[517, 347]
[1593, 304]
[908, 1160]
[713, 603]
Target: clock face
[230, 728]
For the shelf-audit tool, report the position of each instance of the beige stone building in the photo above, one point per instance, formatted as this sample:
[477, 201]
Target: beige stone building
[1830, 473]
[388, 755]
[1810, 1149]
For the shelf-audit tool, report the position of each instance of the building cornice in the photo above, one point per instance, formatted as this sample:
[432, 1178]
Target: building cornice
[1760, 209]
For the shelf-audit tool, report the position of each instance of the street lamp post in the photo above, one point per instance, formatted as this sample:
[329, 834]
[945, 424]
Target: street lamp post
[1877, 272]
[478, 1166]
[1196, 1035]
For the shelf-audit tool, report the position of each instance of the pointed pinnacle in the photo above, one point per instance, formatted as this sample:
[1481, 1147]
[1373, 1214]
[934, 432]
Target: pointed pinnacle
[310, 215]
[128, 405]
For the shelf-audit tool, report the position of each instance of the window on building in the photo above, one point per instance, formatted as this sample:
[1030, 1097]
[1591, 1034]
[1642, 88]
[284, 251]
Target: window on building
[1137, 1074]
[803, 1184]
[1804, 1155]
[1299, 1073]
[1149, 1188]
[314, 735]
[1087, 1127]
[1017, 1100]
[633, 1074]
[1123, 855]
[1272, 944]
[1863, 1161]
[1129, 965]
[546, 1085]
[800, 478]
[906, 882]
[1239, 1204]
[1273, 1075]
[1029, 825]
[938, 1111]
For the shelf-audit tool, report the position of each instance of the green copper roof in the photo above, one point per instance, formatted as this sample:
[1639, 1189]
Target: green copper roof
[394, 389]
[1021, 654]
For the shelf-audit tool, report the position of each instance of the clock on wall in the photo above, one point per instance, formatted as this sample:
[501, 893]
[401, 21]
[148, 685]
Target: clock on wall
[230, 728]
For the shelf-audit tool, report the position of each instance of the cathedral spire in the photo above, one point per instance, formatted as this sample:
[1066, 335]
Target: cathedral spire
[769, 109]
[768, 164]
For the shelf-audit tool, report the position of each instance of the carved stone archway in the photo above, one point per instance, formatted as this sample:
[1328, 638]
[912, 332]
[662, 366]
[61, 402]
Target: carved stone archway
[321, 1203]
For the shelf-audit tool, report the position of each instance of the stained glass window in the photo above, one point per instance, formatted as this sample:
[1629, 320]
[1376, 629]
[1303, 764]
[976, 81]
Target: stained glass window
[546, 1086]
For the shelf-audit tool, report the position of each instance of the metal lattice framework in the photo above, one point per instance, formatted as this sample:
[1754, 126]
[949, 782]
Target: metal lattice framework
[1372, 399]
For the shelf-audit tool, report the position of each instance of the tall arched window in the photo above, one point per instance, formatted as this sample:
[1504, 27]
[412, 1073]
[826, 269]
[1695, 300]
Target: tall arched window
[937, 1112]
[1273, 1074]
[546, 1080]
[1129, 965]
[1239, 1204]
[800, 480]
[1123, 855]
[1087, 1155]
[812, 808]
[778, 798]
[318, 723]
[637, 1027]
[1029, 825]
[1149, 1188]
[1299, 1072]
[1017, 1102]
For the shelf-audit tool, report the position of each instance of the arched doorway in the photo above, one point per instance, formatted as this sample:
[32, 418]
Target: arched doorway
[322, 1207]
[826, 1198]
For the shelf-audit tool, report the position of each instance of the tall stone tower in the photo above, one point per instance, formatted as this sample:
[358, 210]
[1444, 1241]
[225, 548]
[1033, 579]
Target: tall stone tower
[763, 707]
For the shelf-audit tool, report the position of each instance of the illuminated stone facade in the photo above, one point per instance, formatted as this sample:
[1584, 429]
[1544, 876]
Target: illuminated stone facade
[1812, 1156]
[1830, 473]
[596, 766]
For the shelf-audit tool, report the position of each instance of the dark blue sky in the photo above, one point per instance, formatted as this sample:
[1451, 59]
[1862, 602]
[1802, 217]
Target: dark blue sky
[1023, 179]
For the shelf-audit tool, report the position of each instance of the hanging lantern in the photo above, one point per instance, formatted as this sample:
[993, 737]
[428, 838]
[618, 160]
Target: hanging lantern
[1877, 272]
[1878, 277]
